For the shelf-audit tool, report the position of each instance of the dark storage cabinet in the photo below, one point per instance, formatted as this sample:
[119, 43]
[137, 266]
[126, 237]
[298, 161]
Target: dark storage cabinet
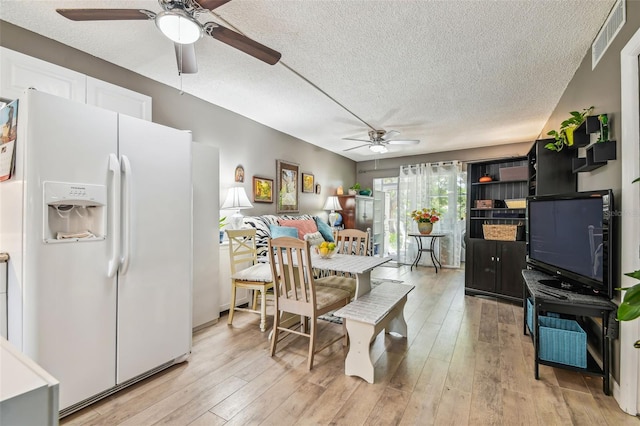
[357, 211]
[550, 172]
[494, 268]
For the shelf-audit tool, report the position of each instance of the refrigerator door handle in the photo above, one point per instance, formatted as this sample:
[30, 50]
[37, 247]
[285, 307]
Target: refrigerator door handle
[126, 214]
[114, 214]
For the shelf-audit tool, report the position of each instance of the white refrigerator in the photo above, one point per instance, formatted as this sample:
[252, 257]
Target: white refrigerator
[97, 221]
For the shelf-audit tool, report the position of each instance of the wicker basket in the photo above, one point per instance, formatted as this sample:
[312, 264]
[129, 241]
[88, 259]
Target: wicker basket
[501, 232]
[562, 341]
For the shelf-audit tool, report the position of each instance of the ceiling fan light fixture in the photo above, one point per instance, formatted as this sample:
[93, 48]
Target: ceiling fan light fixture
[179, 27]
[379, 149]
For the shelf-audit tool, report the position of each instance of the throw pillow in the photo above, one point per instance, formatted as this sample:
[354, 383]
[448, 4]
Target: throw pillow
[304, 226]
[314, 238]
[324, 229]
[283, 231]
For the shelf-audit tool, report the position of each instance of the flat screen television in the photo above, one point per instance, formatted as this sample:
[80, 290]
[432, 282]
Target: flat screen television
[569, 236]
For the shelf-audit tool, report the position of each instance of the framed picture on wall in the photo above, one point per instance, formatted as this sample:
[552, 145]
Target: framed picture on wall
[287, 186]
[307, 182]
[262, 190]
[239, 174]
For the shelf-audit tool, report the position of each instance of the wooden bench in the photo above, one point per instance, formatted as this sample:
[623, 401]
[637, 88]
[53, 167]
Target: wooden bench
[364, 318]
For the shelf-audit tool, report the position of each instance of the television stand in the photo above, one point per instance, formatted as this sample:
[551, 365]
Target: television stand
[568, 302]
[561, 285]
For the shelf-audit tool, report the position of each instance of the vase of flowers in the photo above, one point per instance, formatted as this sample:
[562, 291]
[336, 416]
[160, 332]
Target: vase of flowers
[425, 218]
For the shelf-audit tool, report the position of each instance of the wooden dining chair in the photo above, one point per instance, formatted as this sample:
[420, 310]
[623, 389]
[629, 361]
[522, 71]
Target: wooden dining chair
[298, 293]
[352, 241]
[247, 273]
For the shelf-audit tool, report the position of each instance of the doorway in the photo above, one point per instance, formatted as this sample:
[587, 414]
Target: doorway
[387, 205]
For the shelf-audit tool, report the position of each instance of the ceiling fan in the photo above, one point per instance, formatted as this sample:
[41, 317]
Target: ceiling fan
[379, 139]
[178, 22]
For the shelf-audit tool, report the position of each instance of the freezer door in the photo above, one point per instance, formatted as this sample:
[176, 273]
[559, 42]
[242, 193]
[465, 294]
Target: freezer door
[69, 304]
[154, 284]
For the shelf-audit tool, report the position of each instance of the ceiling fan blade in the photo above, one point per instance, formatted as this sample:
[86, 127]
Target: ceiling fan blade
[357, 140]
[211, 4]
[242, 43]
[355, 147]
[404, 142]
[390, 134]
[186, 58]
[106, 14]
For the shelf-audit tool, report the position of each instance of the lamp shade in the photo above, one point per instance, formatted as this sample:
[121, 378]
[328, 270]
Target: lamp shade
[380, 149]
[179, 27]
[236, 199]
[332, 203]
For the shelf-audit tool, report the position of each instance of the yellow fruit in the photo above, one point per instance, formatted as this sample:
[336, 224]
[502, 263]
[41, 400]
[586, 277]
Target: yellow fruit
[324, 251]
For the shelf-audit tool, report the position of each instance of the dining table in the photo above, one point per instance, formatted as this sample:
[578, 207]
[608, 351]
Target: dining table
[360, 266]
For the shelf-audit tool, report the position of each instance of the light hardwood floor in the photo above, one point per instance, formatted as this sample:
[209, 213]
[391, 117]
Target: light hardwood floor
[465, 362]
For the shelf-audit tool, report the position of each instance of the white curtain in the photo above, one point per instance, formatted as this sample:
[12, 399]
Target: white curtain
[433, 185]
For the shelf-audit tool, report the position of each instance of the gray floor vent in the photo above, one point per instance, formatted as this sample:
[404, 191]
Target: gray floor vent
[615, 21]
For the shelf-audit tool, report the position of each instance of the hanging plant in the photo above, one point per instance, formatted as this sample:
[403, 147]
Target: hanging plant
[564, 137]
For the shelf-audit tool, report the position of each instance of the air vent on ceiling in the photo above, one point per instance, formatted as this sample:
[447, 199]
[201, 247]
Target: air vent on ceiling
[615, 21]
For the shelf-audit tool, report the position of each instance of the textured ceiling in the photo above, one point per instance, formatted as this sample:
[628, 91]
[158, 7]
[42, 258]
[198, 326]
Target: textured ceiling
[454, 74]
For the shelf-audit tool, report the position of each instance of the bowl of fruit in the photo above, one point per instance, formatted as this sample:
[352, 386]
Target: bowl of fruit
[326, 249]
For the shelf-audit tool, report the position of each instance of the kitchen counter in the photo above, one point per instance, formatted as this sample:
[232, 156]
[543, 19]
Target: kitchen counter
[28, 394]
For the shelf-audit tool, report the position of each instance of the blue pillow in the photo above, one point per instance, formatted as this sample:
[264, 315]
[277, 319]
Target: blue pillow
[283, 231]
[324, 229]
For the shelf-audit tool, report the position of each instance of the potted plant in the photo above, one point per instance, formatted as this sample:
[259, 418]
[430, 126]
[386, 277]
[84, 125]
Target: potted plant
[353, 190]
[425, 218]
[565, 135]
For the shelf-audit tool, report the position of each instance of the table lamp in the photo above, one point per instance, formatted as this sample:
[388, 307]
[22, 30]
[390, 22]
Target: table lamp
[332, 204]
[236, 200]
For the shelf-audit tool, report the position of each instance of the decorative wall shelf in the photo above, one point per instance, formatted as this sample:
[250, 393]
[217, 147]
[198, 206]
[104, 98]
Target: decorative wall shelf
[597, 155]
[581, 134]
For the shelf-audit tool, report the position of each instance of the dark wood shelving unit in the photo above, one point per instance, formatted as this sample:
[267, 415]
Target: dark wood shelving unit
[492, 267]
[499, 182]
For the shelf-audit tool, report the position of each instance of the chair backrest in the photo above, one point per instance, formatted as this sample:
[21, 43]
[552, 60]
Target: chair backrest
[242, 249]
[352, 241]
[294, 287]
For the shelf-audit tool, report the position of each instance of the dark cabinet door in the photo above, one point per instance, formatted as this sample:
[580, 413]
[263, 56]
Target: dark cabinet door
[348, 203]
[511, 260]
[483, 274]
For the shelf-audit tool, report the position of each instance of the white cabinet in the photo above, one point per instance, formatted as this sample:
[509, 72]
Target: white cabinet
[242, 295]
[115, 98]
[18, 72]
[28, 394]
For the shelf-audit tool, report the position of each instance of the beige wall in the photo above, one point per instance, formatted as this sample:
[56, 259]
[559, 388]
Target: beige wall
[241, 141]
[600, 88]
